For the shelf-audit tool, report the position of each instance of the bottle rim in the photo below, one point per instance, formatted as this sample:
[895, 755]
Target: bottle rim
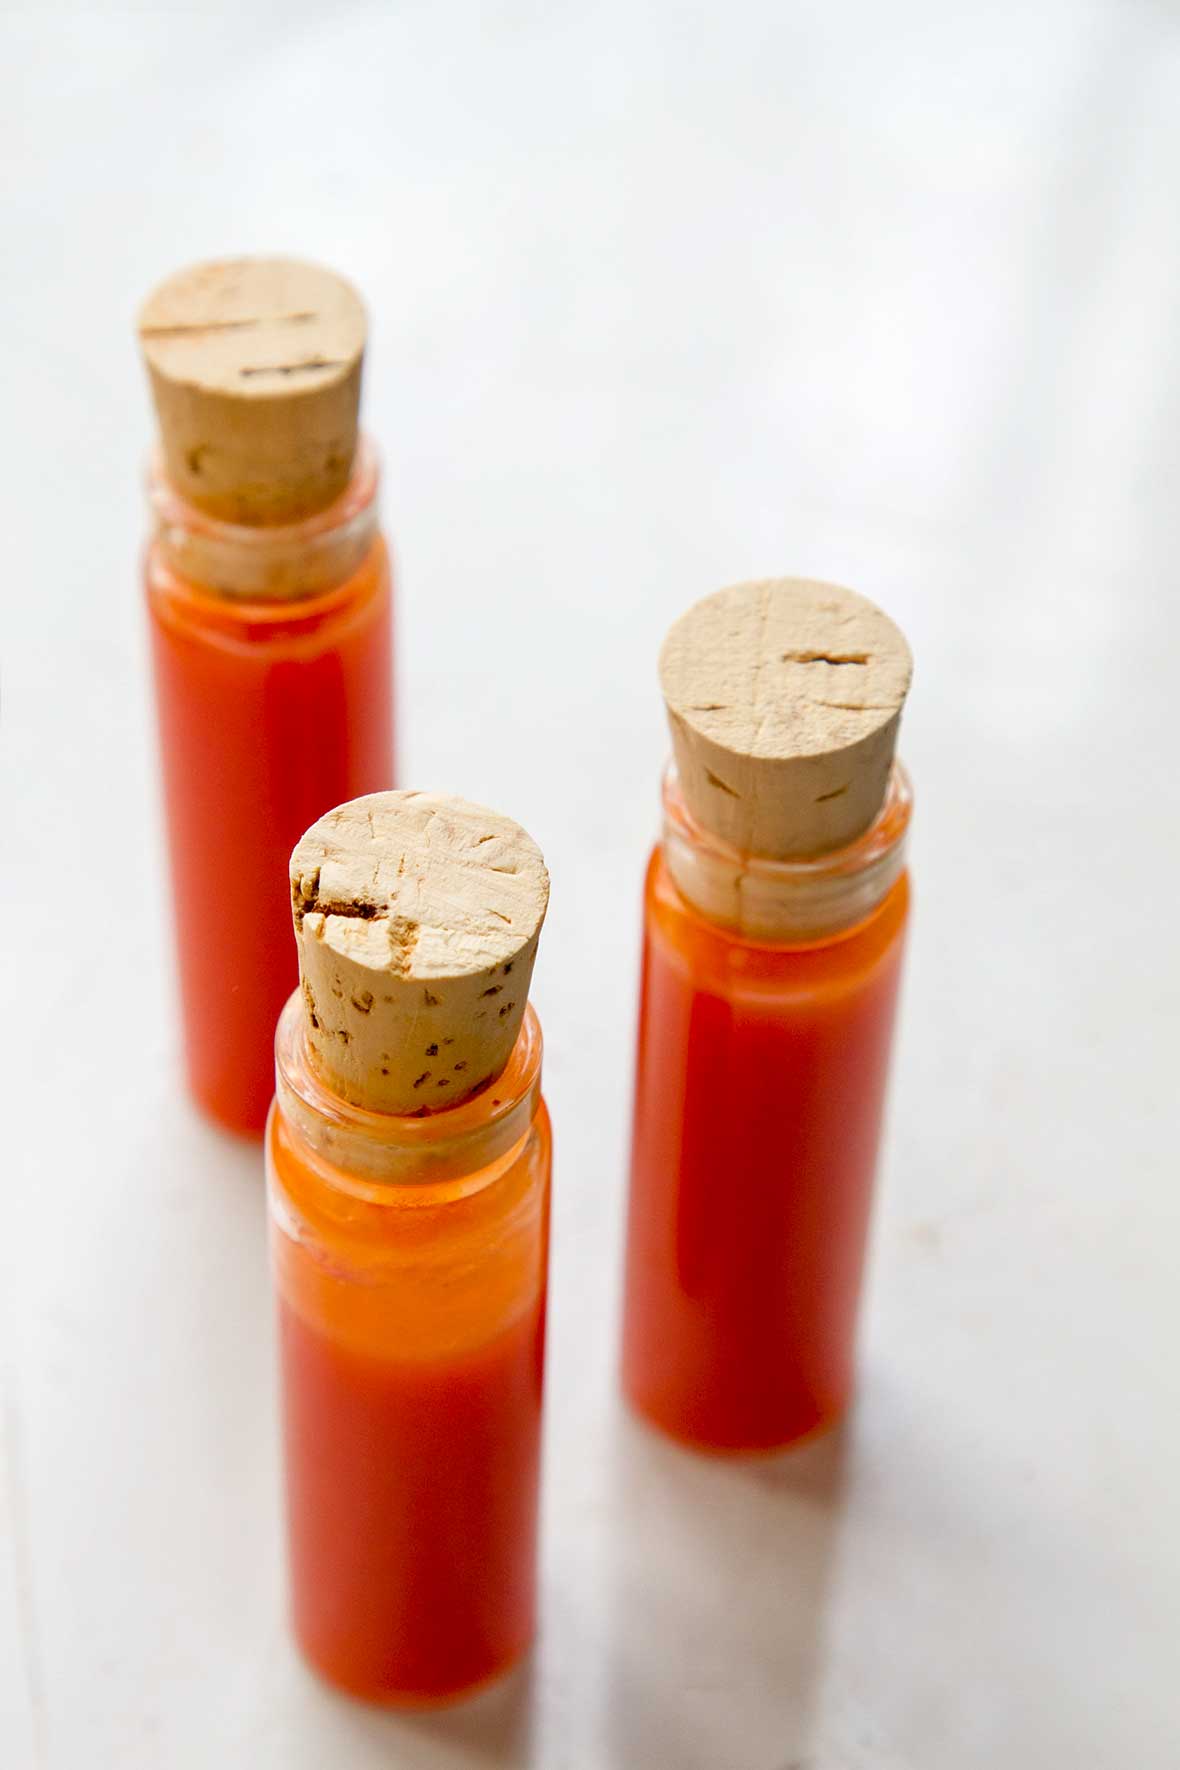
[789, 901]
[406, 1148]
[267, 564]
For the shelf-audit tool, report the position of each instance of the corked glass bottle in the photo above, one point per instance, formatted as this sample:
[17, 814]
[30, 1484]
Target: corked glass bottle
[268, 594]
[408, 1155]
[775, 912]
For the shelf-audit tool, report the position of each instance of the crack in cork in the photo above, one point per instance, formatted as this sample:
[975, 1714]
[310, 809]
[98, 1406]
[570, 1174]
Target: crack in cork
[715, 780]
[857, 706]
[306, 901]
[307, 367]
[199, 328]
[759, 668]
[403, 931]
[837, 659]
[363, 912]
[403, 938]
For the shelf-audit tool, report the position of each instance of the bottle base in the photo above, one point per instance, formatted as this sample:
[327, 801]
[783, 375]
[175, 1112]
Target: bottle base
[378, 1693]
[744, 1447]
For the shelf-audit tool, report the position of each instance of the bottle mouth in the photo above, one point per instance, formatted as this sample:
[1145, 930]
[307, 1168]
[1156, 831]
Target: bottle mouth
[384, 1148]
[280, 562]
[795, 902]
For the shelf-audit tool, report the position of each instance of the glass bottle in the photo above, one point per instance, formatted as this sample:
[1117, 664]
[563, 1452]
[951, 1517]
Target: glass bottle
[410, 1246]
[774, 922]
[268, 598]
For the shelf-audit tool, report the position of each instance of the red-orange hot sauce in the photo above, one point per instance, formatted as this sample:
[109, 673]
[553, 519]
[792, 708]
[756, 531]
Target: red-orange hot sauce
[411, 1340]
[412, 1572]
[269, 711]
[760, 1088]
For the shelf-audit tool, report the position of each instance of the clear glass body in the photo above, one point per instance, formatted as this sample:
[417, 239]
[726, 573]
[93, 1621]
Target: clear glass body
[760, 1086]
[410, 1260]
[271, 651]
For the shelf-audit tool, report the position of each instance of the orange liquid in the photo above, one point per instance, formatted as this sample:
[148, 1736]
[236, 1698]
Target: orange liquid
[759, 1095]
[412, 1349]
[269, 713]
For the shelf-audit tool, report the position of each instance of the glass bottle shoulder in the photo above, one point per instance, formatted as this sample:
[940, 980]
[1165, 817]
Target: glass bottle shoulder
[711, 956]
[221, 578]
[361, 1217]
[375, 1189]
[184, 606]
[419, 1270]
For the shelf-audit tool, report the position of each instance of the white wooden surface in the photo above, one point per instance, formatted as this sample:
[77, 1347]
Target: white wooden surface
[661, 298]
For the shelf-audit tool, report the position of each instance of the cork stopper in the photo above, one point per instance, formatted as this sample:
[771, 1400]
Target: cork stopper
[784, 698]
[255, 368]
[417, 917]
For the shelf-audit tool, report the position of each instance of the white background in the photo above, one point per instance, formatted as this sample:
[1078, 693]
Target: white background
[660, 299]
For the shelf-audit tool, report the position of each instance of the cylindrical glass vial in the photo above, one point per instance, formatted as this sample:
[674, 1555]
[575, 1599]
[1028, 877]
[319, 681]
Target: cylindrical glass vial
[271, 648]
[269, 609]
[410, 1258]
[765, 1024]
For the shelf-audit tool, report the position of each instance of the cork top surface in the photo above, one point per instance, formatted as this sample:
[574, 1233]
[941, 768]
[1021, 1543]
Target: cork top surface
[785, 667]
[784, 698]
[255, 367]
[421, 884]
[253, 328]
[417, 917]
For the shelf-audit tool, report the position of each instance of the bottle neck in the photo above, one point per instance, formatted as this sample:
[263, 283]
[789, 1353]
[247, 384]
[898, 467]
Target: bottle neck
[795, 901]
[285, 562]
[392, 1148]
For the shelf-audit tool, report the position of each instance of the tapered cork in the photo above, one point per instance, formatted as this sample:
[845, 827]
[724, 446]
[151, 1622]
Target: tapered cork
[255, 368]
[784, 698]
[416, 917]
